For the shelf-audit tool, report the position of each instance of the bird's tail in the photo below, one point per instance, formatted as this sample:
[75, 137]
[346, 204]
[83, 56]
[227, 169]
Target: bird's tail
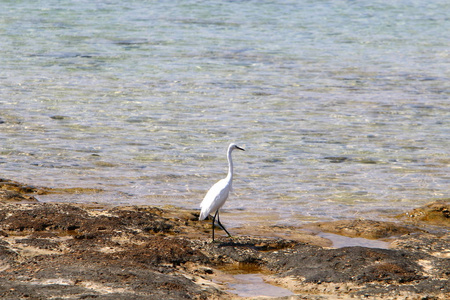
[203, 215]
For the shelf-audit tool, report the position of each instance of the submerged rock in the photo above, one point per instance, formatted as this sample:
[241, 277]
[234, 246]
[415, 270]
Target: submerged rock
[368, 229]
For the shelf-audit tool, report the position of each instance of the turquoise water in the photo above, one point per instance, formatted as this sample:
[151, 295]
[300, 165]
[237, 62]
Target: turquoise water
[343, 107]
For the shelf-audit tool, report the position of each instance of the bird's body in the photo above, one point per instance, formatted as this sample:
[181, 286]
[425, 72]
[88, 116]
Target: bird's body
[218, 193]
[215, 198]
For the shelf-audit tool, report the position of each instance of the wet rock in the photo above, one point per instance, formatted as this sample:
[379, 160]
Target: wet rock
[284, 232]
[12, 191]
[240, 250]
[357, 264]
[368, 229]
[436, 244]
[59, 251]
[23, 192]
[436, 213]
[363, 272]
[11, 196]
[78, 221]
[54, 250]
[19, 188]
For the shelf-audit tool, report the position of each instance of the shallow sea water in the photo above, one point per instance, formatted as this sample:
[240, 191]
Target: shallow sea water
[253, 285]
[343, 107]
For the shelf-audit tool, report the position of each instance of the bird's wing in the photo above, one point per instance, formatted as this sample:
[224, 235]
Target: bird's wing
[214, 198]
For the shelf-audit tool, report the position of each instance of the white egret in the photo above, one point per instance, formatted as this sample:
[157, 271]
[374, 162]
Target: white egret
[218, 193]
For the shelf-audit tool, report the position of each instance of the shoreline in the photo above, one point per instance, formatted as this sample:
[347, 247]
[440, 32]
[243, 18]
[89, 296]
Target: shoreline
[63, 250]
[235, 218]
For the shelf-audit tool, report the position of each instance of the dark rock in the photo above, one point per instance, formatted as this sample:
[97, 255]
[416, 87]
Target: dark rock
[50, 250]
[115, 258]
[58, 117]
[358, 264]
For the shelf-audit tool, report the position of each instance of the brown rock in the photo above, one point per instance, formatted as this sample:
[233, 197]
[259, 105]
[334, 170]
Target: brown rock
[14, 186]
[436, 213]
[12, 196]
[368, 229]
[50, 250]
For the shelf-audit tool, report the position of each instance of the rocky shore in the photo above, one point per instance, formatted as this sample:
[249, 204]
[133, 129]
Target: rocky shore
[90, 251]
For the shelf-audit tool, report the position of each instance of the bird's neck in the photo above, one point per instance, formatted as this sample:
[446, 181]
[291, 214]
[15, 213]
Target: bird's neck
[230, 166]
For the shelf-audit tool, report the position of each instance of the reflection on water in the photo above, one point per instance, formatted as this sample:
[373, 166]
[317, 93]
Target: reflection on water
[340, 241]
[343, 108]
[252, 285]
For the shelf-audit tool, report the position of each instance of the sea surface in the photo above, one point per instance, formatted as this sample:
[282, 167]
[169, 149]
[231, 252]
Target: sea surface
[342, 106]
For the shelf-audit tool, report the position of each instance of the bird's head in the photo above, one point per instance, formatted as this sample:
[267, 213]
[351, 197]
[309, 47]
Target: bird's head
[234, 146]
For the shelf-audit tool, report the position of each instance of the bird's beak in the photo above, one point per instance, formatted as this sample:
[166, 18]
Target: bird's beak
[240, 148]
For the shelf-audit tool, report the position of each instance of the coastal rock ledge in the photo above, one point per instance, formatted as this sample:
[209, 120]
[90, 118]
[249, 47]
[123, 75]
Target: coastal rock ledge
[89, 251]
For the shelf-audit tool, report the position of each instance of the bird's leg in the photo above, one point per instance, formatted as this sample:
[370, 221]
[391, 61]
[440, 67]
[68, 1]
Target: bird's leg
[220, 224]
[213, 221]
